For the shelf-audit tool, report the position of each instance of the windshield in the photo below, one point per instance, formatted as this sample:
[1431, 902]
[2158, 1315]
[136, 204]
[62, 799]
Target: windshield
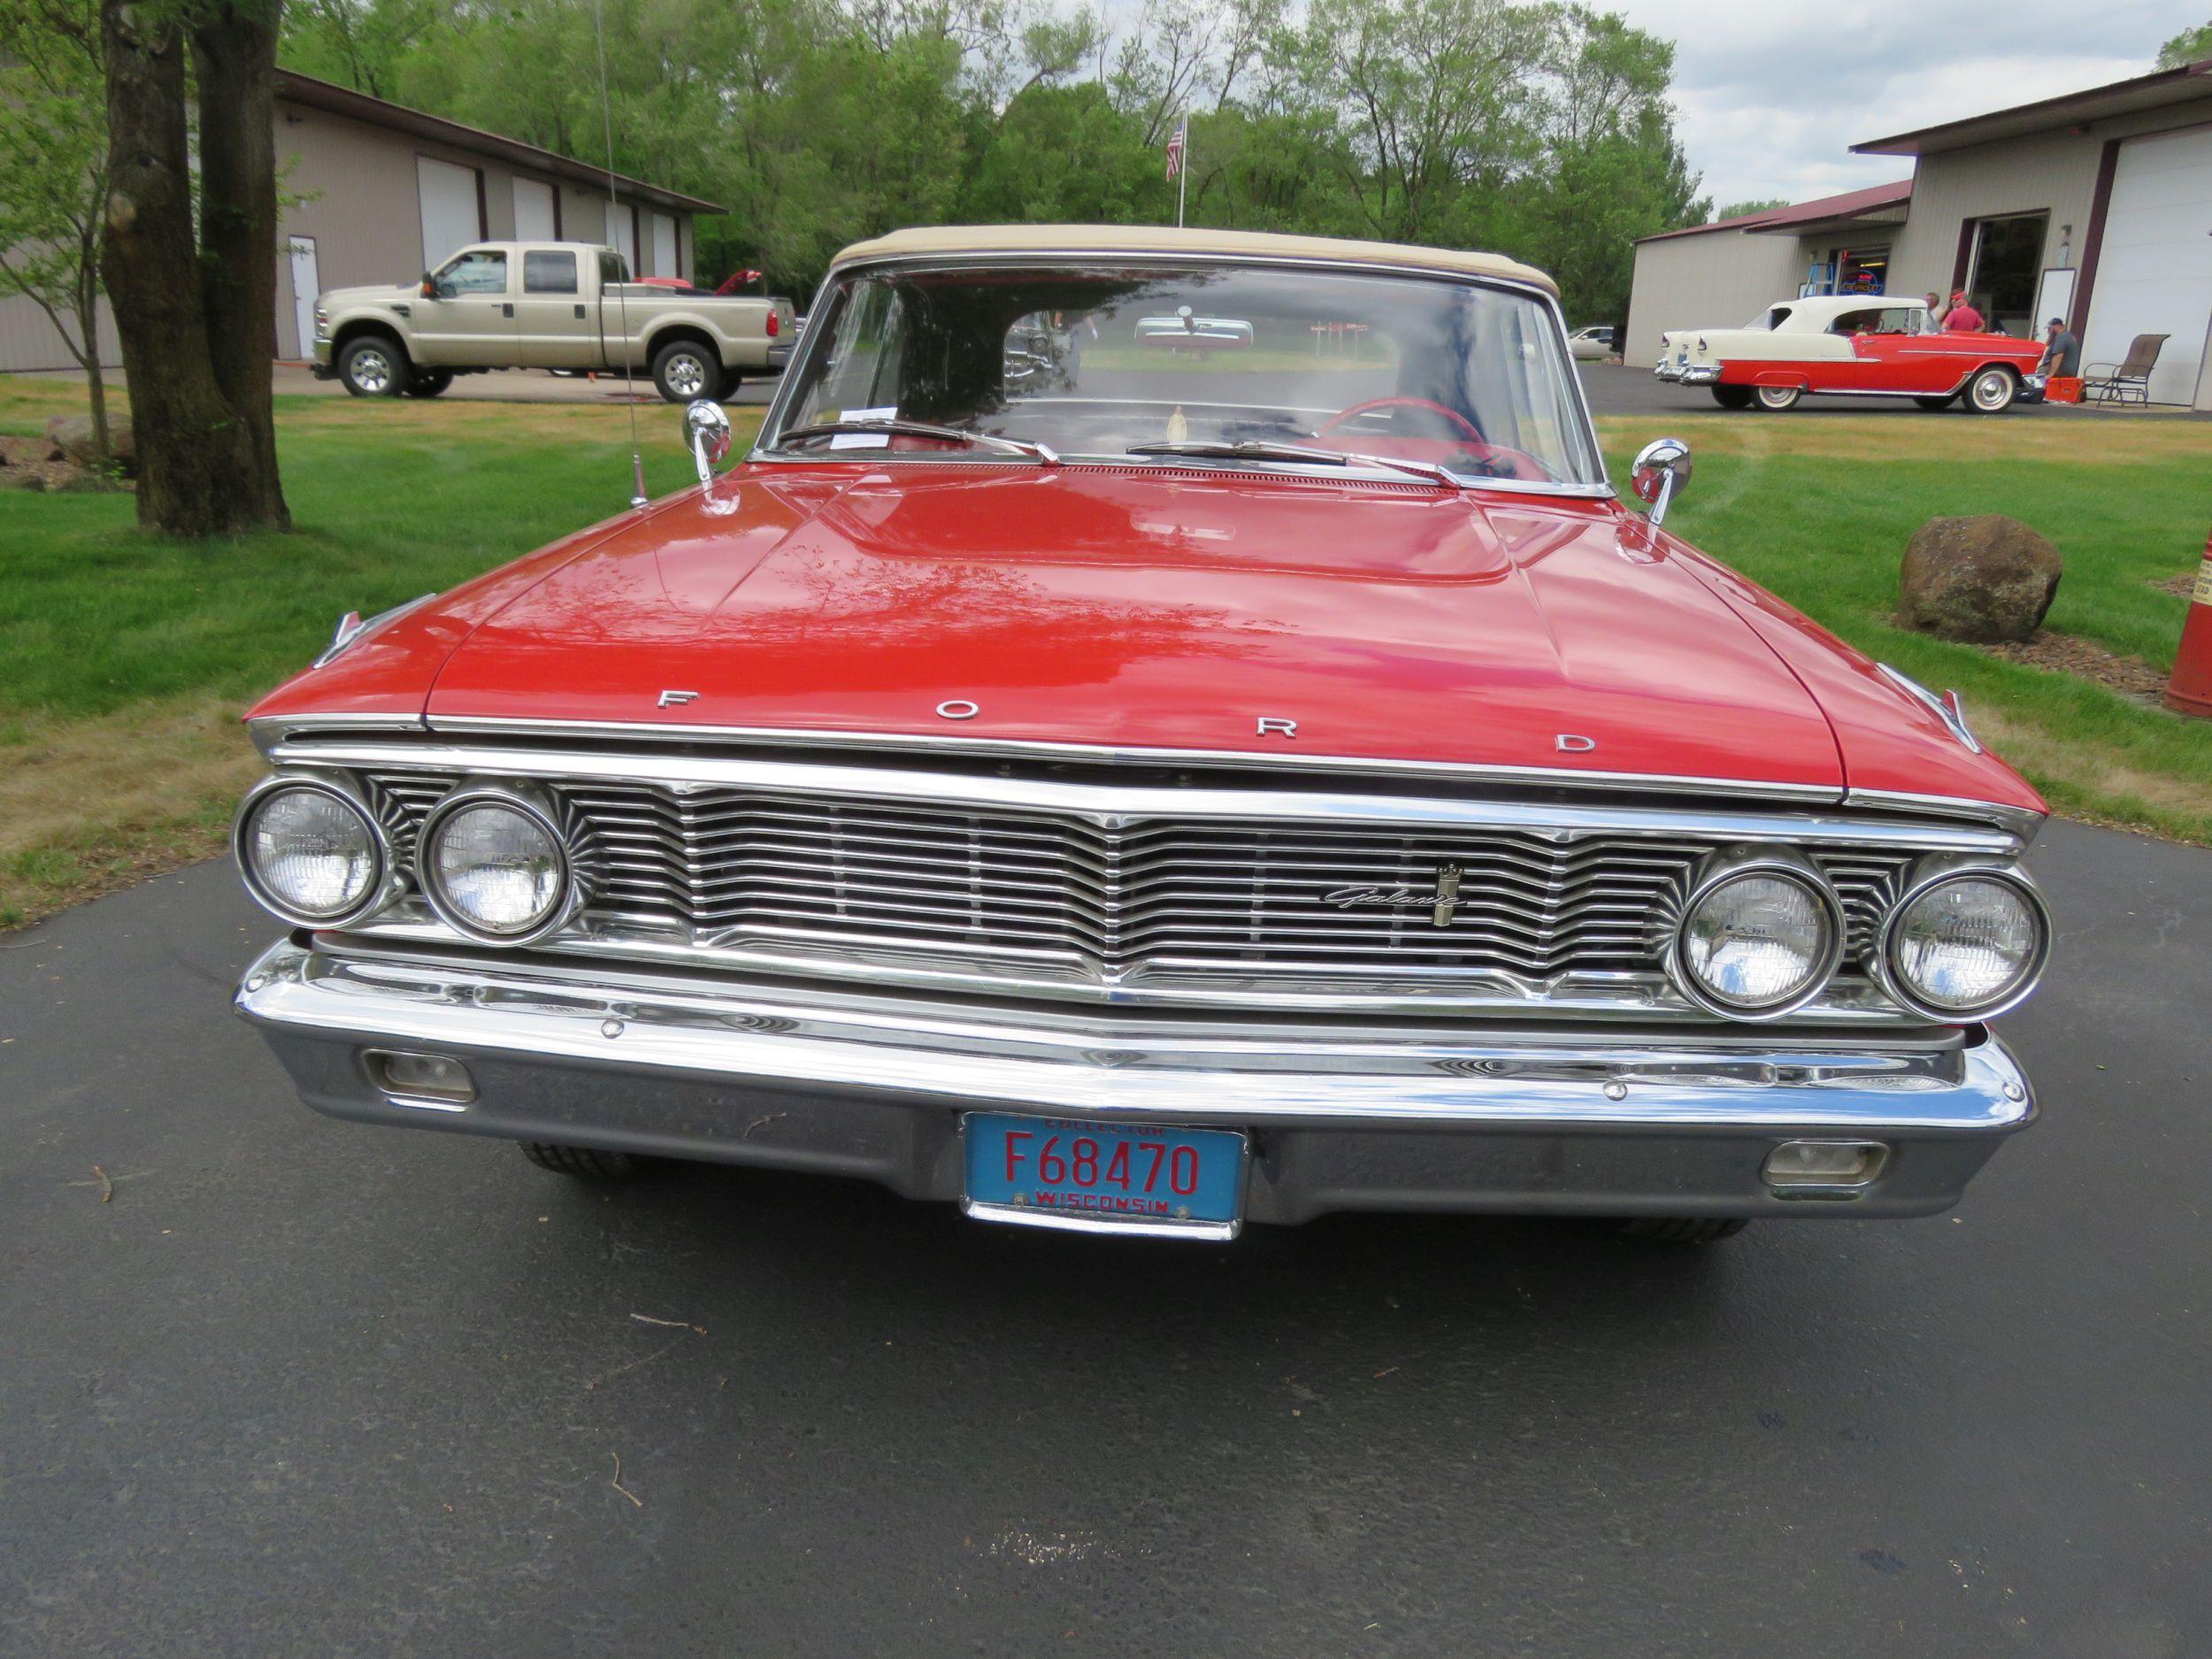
[1107, 363]
[1768, 320]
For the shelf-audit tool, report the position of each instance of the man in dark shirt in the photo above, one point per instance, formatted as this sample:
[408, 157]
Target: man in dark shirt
[2061, 351]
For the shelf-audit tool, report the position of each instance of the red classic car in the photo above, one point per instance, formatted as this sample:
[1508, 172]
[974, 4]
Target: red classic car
[1164, 788]
[1852, 346]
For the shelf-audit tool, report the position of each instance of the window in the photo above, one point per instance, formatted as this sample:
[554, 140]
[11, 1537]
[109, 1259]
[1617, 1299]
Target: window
[478, 271]
[2007, 265]
[548, 273]
[1104, 363]
[612, 267]
[1767, 321]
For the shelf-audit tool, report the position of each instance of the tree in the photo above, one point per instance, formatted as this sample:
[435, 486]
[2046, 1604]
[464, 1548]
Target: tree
[2188, 47]
[53, 154]
[1741, 209]
[193, 299]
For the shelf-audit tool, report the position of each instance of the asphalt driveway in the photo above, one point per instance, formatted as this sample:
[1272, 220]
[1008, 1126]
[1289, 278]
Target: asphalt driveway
[272, 1385]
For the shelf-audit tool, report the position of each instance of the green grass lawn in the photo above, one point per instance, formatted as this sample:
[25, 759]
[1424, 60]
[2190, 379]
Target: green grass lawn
[127, 656]
[1819, 509]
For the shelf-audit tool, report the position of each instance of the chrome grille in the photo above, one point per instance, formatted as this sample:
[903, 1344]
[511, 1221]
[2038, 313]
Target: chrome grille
[729, 866]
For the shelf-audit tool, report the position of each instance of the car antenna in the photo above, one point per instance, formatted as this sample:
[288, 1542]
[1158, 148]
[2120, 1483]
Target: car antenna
[621, 297]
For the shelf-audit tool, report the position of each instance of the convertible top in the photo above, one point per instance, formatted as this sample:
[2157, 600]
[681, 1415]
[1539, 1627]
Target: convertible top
[1245, 245]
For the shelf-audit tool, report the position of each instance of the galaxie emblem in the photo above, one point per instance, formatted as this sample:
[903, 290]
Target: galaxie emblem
[1442, 902]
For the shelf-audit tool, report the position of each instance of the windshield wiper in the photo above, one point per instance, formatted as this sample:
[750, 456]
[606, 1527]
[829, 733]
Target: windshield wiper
[1260, 449]
[1037, 452]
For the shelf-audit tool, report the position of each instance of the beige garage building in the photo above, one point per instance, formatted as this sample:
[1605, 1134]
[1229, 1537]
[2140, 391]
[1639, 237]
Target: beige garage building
[384, 192]
[1719, 275]
[2095, 206]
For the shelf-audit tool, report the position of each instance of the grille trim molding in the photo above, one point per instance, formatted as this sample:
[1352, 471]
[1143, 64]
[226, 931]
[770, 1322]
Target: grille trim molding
[1209, 907]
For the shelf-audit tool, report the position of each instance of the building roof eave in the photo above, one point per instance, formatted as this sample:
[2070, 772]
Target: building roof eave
[307, 92]
[2160, 87]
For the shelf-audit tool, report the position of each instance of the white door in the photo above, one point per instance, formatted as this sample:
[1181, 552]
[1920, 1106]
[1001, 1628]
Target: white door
[534, 211]
[664, 245]
[2155, 272]
[448, 209]
[621, 235]
[305, 286]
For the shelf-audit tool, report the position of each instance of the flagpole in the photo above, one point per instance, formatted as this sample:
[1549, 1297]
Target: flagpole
[1182, 171]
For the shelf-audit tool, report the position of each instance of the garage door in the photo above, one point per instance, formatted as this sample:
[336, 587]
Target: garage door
[448, 209]
[664, 245]
[534, 211]
[2154, 273]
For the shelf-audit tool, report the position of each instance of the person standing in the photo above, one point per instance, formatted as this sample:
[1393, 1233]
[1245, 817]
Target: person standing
[1962, 318]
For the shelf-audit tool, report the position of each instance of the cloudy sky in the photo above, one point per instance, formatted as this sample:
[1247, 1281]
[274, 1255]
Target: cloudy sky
[1774, 93]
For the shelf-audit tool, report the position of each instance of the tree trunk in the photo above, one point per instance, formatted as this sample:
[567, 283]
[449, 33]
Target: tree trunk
[205, 466]
[233, 50]
[88, 331]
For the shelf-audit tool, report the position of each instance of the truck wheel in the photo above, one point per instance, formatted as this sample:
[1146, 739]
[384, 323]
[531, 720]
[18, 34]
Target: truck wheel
[1732, 396]
[731, 381]
[429, 382]
[1991, 391]
[1945, 402]
[683, 370]
[1778, 399]
[585, 1163]
[372, 366]
[1685, 1229]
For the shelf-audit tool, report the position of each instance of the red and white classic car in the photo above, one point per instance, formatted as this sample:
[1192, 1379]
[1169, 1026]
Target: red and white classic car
[1851, 346]
[1166, 789]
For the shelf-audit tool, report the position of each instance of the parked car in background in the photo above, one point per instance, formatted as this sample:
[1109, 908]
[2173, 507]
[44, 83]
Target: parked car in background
[1850, 346]
[1592, 344]
[1148, 789]
[544, 305]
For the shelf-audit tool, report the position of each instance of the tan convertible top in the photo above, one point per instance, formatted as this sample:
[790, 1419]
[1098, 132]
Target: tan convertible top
[988, 239]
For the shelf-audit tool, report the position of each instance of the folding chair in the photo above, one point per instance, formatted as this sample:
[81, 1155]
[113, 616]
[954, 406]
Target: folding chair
[2127, 382]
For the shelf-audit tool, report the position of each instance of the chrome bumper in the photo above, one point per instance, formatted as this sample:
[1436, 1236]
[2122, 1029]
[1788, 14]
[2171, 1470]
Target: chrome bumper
[1667, 372]
[1700, 375]
[1344, 1115]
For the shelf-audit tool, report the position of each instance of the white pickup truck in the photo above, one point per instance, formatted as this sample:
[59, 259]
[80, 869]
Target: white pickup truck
[545, 305]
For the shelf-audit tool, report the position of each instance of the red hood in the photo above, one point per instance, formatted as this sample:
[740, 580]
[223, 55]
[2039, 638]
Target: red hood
[1125, 609]
[1138, 609]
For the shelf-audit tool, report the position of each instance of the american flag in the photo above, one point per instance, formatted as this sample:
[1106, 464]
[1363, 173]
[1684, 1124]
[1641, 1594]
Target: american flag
[1175, 148]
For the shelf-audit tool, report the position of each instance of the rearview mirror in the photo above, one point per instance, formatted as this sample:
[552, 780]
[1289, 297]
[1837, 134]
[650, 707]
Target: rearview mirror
[707, 430]
[1662, 467]
[429, 289]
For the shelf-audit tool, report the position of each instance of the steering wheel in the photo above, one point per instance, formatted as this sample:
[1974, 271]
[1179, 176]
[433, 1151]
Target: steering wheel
[1466, 427]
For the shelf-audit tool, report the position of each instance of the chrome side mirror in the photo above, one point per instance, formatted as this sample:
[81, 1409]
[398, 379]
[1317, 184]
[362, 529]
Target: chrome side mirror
[1663, 467]
[707, 430]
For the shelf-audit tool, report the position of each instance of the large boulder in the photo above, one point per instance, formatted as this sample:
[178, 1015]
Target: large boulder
[72, 435]
[1981, 579]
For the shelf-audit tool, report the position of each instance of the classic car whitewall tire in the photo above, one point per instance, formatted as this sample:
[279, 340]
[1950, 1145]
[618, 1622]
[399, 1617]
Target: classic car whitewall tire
[1991, 391]
[585, 1163]
[1944, 402]
[1732, 396]
[1779, 398]
[372, 366]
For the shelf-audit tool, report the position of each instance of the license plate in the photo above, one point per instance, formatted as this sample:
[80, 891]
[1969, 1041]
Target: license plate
[1104, 1177]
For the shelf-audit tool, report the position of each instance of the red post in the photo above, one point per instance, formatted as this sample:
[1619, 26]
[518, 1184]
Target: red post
[2190, 690]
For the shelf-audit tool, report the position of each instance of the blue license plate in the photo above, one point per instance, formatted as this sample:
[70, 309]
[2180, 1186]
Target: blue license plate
[1104, 1177]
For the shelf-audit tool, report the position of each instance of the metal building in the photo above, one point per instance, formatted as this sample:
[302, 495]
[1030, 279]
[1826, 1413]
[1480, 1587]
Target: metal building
[379, 193]
[1719, 275]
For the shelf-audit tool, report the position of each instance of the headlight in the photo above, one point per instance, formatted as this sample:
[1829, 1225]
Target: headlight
[1964, 944]
[311, 851]
[1759, 938]
[494, 864]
